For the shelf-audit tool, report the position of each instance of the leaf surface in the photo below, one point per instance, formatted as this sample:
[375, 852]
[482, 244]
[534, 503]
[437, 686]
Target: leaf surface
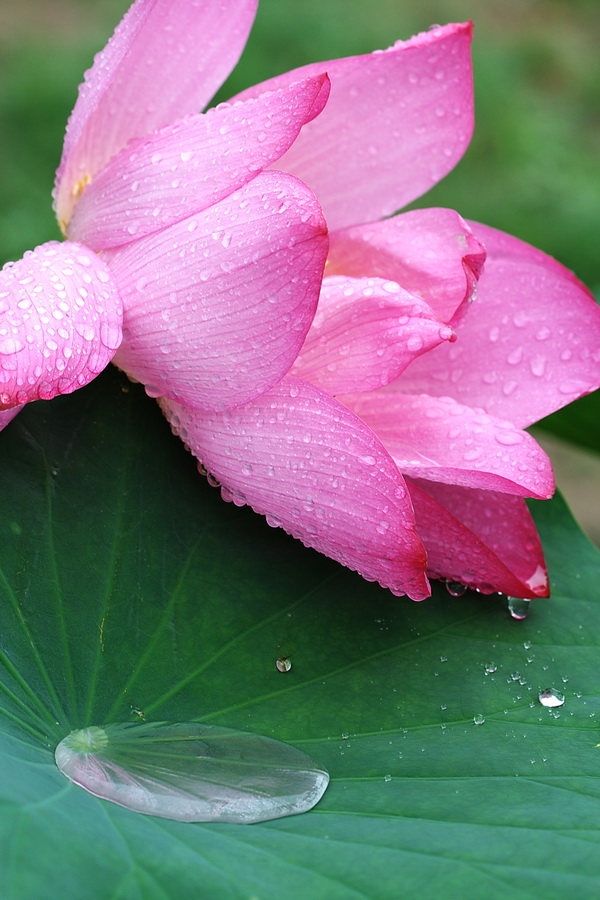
[130, 591]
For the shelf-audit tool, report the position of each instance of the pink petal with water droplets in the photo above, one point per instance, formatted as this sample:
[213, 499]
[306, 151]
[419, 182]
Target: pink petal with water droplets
[218, 306]
[439, 439]
[396, 122]
[7, 415]
[529, 344]
[161, 179]
[60, 322]
[306, 462]
[365, 332]
[166, 59]
[431, 252]
[483, 539]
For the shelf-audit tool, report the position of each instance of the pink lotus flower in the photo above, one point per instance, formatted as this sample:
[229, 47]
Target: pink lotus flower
[389, 435]
[395, 445]
[182, 252]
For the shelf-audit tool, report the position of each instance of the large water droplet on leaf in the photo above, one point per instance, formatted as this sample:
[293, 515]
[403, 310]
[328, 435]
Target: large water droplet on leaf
[192, 772]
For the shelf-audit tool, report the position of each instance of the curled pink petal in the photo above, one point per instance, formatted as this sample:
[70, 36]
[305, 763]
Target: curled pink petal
[483, 539]
[431, 252]
[396, 122]
[529, 344]
[439, 439]
[217, 306]
[312, 467]
[365, 332]
[171, 174]
[166, 59]
[60, 322]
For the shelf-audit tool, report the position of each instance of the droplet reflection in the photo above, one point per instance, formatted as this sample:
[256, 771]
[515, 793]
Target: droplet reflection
[455, 588]
[518, 607]
[551, 698]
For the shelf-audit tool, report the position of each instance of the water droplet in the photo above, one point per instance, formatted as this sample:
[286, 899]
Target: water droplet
[518, 607]
[478, 719]
[508, 438]
[10, 346]
[455, 588]
[490, 668]
[283, 664]
[515, 357]
[537, 364]
[551, 698]
[414, 343]
[191, 772]
[387, 777]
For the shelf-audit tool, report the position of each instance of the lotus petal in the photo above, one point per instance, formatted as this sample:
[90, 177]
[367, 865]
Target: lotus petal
[60, 322]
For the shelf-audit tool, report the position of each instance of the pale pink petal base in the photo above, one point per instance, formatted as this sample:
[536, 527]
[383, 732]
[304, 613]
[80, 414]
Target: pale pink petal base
[217, 306]
[60, 322]
[430, 252]
[529, 345]
[439, 439]
[312, 467]
[166, 60]
[364, 334]
[396, 122]
[171, 174]
[7, 415]
[482, 539]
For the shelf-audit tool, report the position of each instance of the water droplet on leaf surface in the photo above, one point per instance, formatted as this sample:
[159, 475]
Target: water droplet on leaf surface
[192, 772]
[551, 698]
[479, 719]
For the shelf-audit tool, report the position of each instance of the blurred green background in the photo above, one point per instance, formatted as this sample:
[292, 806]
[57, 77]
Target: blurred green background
[532, 167]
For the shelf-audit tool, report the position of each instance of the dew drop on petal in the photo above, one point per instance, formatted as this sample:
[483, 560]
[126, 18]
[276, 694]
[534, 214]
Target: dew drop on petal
[551, 698]
[455, 588]
[518, 607]
[9, 346]
[192, 772]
